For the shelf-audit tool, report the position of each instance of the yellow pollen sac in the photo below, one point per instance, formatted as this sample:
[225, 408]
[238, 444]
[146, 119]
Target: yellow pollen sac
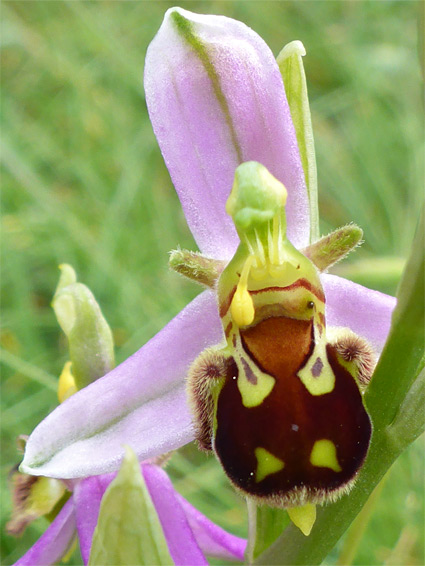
[324, 455]
[303, 517]
[266, 464]
[66, 386]
[242, 306]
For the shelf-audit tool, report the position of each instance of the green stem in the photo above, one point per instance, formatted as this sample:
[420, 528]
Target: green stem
[252, 530]
[265, 525]
[355, 534]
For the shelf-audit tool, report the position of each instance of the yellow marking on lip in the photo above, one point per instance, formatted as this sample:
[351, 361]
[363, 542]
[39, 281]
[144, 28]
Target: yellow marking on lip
[253, 394]
[324, 455]
[267, 464]
[254, 385]
[325, 381]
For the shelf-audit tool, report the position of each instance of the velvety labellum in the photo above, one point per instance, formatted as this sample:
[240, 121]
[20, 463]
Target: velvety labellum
[293, 446]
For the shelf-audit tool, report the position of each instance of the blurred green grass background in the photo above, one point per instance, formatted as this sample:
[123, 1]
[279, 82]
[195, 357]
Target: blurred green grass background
[84, 183]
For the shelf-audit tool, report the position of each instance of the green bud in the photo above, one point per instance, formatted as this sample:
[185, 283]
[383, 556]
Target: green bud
[90, 339]
[67, 276]
[293, 75]
[33, 497]
[128, 529]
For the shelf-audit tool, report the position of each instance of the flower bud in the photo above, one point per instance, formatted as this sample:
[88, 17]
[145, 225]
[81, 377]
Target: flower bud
[89, 336]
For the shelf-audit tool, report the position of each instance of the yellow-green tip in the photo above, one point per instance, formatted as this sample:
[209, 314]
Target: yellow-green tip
[67, 277]
[293, 48]
[303, 517]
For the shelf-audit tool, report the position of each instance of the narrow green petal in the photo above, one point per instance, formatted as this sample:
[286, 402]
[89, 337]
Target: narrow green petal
[128, 530]
[196, 267]
[334, 247]
[293, 75]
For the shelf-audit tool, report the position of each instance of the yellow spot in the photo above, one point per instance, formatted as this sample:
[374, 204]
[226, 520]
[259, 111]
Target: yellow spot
[324, 455]
[303, 517]
[325, 382]
[66, 386]
[266, 464]
[253, 394]
[242, 306]
[254, 385]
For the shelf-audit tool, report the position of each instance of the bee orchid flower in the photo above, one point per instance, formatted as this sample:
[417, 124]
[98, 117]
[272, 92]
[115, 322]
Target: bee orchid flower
[216, 99]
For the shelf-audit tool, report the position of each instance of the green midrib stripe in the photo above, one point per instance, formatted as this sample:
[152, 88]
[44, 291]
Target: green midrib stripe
[185, 28]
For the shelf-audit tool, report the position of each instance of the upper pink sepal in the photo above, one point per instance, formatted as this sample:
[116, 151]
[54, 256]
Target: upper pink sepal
[216, 99]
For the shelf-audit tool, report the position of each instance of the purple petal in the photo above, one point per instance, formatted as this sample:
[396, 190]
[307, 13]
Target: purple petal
[216, 99]
[55, 542]
[181, 542]
[87, 498]
[366, 312]
[142, 402]
[212, 539]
